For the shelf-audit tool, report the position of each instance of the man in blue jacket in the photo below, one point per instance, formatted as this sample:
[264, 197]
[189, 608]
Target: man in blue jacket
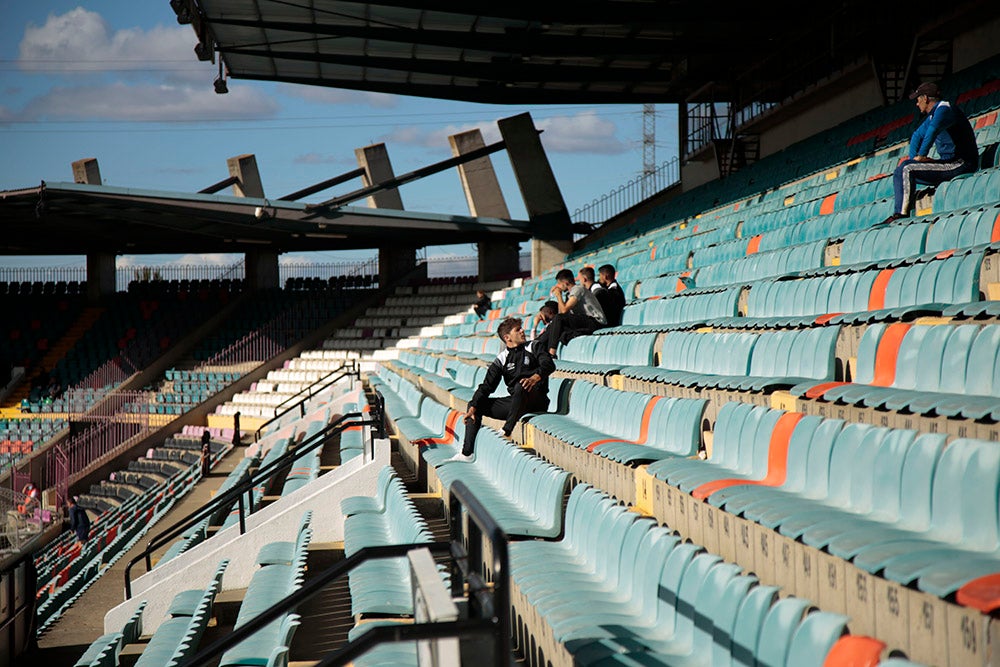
[944, 126]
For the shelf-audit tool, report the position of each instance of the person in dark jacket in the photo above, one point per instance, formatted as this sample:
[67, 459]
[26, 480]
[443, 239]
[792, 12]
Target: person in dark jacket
[947, 128]
[206, 453]
[483, 304]
[79, 522]
[611, 295]
[525, 369]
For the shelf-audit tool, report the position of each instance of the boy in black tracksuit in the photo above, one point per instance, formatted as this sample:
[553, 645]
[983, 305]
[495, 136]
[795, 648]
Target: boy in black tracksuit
[525, 369]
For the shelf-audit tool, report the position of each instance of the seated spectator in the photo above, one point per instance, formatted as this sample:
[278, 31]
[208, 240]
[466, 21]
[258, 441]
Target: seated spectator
[32, 499]
[579, 313]
[525, 368]
[483, 304]
[541, 321]
[587, 278]
[946, 127]
[611, 295]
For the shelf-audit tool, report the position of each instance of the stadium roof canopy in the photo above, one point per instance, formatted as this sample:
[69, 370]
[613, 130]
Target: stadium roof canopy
[71, 218]
[586, 51]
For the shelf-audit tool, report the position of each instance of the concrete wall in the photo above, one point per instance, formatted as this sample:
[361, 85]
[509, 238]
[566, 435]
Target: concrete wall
[700, 171]
[977, 45]
[822, 115]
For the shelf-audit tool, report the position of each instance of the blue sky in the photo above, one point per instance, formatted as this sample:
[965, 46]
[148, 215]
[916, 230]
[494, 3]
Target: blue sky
[119, 81]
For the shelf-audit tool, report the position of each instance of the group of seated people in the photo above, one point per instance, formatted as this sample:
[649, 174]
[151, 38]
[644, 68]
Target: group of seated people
[577, 309]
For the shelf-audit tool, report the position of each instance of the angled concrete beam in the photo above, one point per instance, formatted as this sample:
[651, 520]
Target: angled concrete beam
[551, 225]
[394, 259]
[485, 198]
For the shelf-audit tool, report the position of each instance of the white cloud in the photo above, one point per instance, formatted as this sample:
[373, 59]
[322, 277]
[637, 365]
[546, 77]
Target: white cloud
[419, 136]
[585, 132]
[215, 258]
[320, 95]
[80, 41]
[130, 74]
[296, 259]
[150, 102]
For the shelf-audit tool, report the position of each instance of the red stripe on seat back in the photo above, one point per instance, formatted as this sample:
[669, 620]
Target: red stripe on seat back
[647, 415]
[888, 353]
[777, 460]
[680, 283]
[855, 651]
[876, 298]
[982, 593]
[818, 390]
[826, 208]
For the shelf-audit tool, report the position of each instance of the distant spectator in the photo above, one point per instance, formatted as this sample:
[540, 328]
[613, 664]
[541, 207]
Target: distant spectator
[611, 295]
[206, 453]
[52, 389]
[579, 314]
[483, 304]
[946, 127]
[32, 499]
[79, 522]
[525, 369]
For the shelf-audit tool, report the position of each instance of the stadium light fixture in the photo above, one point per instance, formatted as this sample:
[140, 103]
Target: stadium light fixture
[220, 82]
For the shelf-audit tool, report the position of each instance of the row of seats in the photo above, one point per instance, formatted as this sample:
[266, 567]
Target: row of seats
[281, 573]
[105, 650]
[617, 588]
[177, 638]
[524, 494]
[944, 369]
[382, 587]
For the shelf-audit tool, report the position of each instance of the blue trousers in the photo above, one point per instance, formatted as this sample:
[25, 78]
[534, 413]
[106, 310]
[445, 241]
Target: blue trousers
[933, 172]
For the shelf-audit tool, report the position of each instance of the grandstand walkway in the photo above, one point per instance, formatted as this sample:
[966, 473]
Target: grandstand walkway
[65, 642]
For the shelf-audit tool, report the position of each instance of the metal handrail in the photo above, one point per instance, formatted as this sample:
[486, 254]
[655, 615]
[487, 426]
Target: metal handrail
[301, 404]
[309, 589]
[482, 524]
[491, 599]
[236, 492]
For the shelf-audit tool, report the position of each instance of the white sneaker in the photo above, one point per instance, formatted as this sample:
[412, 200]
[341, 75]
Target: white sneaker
[462, 457]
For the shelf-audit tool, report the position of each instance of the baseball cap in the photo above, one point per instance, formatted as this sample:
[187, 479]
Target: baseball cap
[927, 88]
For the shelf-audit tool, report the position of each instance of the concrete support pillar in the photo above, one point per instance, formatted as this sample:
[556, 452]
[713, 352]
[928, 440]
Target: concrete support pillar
[552, 236]
[260, 266]
[482, 192]
[101, 279]
[394, 259]
[546, 253]
[87, 171]
[100, 275]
